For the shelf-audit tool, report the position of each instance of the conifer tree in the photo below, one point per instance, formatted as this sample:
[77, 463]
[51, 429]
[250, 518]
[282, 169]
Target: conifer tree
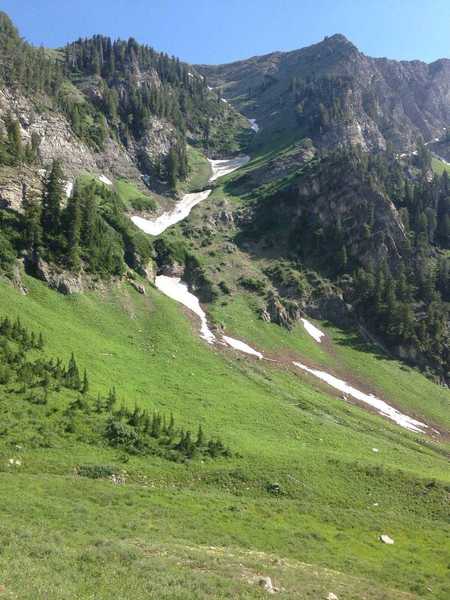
[14, 140]
[32, 233]
[172, 168]
[51, 202]
[73, 375]
[73, 230]
[85, 384]
[200, 437]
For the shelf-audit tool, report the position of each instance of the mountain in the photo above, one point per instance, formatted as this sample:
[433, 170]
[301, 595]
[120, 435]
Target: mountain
[115, 108]
[334, 94]
[224, 343]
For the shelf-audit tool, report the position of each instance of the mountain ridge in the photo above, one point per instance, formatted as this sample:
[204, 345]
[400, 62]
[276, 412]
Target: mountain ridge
[381, 101]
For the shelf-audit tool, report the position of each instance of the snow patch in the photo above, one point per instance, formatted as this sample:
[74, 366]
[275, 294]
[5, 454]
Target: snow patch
[69, 188]
[224, 167]
[242, 346]
[312, 330]
[177, 290]
[181, 211]
[254, 125]
[105, 180]
[174, 288]
[382, 407]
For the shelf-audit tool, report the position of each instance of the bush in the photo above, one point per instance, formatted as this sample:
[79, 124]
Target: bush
[253, 285]
[96, 471]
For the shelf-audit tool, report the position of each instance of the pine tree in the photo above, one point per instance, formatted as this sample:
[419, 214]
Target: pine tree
[112, 399]
[32, 233]
[200, 437]
[172, 168]
[98, 404]
[15, 147]
[85, 384]
[88, 218]
[73, 231]
[40, 342]
[73, 375]
[51, 202]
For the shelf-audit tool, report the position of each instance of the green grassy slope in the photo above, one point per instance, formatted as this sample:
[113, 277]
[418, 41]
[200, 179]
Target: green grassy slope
[439, 166]
[77, 537]
[345, 354]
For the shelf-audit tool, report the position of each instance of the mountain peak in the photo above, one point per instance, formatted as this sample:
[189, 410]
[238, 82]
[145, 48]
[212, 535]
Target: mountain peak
[337, 40]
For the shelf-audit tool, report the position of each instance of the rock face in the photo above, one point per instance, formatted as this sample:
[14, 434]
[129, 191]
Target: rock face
[58, 141]
[325, 210]
[62, 281]
[377, 100]
[283, 312]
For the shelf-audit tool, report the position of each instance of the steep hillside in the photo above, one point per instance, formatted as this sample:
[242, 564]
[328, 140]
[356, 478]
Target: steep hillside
[334, 94]
[111, 108]
[224, 350]
[311, 479]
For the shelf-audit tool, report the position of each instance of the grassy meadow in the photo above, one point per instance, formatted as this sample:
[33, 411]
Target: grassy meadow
[180, 530]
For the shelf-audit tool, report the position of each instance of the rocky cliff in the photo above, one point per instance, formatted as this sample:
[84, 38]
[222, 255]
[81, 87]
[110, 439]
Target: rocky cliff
[337, 95]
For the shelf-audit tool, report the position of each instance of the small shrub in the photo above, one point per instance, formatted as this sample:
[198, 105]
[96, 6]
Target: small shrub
[96, 471]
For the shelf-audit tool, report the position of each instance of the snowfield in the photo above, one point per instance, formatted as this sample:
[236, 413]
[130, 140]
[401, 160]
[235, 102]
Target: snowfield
[69, 188]
[181, 211]
[382, 407]
[224, 167]
[242, 346]
[174, 288]
[254, 125]
[312, 330]
[177, 290]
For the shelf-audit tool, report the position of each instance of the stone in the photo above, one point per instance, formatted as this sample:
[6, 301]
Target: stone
[266, 584]
[63, 281]
[139, 287]
[332, 596]
[386, 539]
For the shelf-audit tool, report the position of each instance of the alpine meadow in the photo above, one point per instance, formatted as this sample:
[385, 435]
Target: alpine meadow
[224, 324]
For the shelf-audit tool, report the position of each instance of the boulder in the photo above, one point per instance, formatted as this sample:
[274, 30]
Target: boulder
[173, 270]
[139, 287]
[266, 584]
[62, 281]
[386, 539]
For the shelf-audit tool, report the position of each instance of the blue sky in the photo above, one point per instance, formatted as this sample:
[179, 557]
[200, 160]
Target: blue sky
[216, 31]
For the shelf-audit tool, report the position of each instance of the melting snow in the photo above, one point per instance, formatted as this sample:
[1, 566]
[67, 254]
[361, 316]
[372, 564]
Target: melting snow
[69, 188]
[312, 330]
[177, 290]
[105, 180]
[223, 167]
[241, 346]
[254, 125]
[382, 407]
[181, 211]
